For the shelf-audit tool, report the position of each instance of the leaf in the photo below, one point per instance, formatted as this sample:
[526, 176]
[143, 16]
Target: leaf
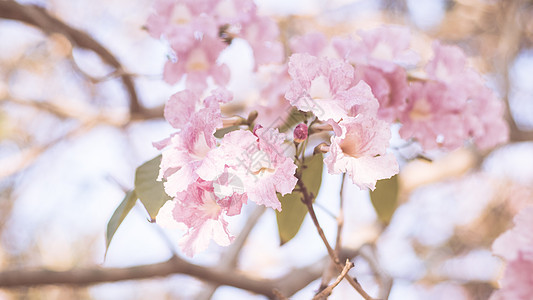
[150, 191]
[385, 198]
[293, 212]
[118, 216]
[223, 131]
[295, 116]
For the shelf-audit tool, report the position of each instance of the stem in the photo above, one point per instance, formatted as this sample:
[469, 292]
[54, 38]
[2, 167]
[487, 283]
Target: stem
[327, 291]
[308, 201]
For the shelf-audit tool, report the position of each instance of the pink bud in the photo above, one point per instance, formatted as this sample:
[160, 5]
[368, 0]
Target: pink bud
[257, 126]
[300, 133]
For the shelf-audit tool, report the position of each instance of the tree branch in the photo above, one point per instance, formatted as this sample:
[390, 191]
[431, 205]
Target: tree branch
[40, 18]
[287, 284]
[308, 201]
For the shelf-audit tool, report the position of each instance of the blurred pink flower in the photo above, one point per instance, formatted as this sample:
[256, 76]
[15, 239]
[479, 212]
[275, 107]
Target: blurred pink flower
[516, 247]
[389, 88]
[384, 48]
[198, 63]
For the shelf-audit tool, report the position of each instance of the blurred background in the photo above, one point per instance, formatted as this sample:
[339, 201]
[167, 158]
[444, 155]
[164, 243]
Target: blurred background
[78, 115]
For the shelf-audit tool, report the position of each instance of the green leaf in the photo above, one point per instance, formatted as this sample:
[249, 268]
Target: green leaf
[385, 198]
[295, 116]
[118, 216]
[223, 131]
[293, 212]
[150, 191]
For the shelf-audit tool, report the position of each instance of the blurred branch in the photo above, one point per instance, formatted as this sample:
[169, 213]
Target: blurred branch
[40, 18]
[368, 253]
[23, 159]
[288, 284]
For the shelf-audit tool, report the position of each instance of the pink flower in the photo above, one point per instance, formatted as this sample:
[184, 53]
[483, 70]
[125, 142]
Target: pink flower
[516, 246]
[518, 239]
[202, 211]
[484, 119]
[429, 119]
[359, 148]
[178, 21]
[389, 88]
[259, 162]
[384, 48]
[187, 153]
[262, 34]
[517, 283]
[272, 106]
[324, 87]
[198, 62]
[312, 43]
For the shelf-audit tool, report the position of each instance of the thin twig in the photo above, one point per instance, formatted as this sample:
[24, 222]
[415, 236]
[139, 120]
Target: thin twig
[40, 18]
[308, 201]
[385, 281]
[327, 291]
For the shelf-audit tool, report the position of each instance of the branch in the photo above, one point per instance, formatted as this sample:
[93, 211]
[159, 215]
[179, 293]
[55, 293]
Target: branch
[287, 284]
[308, 201]
[327, 291]
[40, 18]
[89, 276]
[367, 252]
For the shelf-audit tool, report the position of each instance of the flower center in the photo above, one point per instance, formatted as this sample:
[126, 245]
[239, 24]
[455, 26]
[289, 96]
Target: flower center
[320, 88]
[210, 207]
[382, 51]
[181, 14]
[421, 110]
[197, 61]
[200, 148]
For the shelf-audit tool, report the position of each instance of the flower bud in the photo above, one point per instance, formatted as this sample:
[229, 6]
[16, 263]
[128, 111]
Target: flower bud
[300, 133]
[257, 126]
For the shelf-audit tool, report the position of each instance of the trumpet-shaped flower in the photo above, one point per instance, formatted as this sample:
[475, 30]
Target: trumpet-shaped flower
[359, 148]
[324, 87]
[202, 212]
[258, 160]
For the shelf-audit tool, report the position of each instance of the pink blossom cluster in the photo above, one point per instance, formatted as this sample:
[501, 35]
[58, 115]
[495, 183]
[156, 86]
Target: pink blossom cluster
[450, 105]
[355, 89]
[209, 180]
[199, 30]
[516, 247]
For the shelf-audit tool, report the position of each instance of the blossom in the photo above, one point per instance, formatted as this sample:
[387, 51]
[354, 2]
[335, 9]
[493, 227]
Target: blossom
[484, 119]
[516, 246]
[312, 43]
[324, 87]
[202, 212]
[178, 21]
[384, 48]
[262, 34]
[390, 89]
[359, 148]
[429, 119]
[188, 152]
[199, 62]
[257, 159]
